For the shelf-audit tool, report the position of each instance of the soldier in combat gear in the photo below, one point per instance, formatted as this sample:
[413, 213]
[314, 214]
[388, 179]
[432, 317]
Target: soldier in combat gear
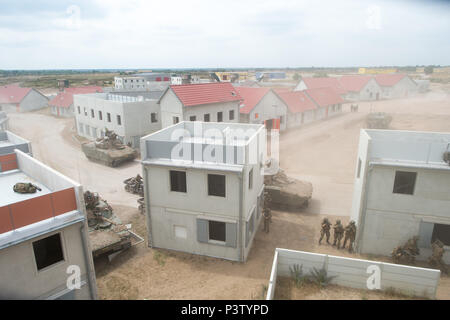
[325, 230]
[267, 214]
[338, 233]
[22, 187]
[350, 234]
[436, 257]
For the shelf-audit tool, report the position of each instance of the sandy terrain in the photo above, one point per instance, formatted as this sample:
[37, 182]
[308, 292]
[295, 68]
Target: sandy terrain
[323, 153]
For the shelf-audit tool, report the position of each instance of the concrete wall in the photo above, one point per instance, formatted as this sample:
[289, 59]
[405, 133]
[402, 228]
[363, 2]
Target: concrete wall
[135, 118]
[353, 273]
[200, 110]
[33, 101]
[62, 112]
[298, 119]
[170, 107]
[22, 280]
[4, 121]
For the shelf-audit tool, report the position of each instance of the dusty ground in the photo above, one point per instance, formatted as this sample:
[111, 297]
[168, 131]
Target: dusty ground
[323, 153]
[286, 290]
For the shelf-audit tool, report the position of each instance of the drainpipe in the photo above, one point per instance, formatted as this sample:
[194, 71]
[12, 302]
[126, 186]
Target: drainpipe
[241, 204]
[88, 262]
[147, 206]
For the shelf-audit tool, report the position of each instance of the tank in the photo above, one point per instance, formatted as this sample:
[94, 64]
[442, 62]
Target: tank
[108, 150]
[287, 193]
[378, 120]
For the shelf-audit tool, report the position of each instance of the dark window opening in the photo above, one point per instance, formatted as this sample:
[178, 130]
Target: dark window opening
[206, 117]
[192, 118]
[154, 119]
[119, 120]
[100, 115]
[108, 115]
[177, 181]
[359, 168]
[48, 251]
[404, 182]
[217, 231]
[79, 110]
[231, 115]
[250, 179]
[216, 185]
[176, 120]
[219, 116]
[92, 113]
[441, 232]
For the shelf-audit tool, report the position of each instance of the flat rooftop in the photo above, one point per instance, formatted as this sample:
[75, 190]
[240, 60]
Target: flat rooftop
[9, 179]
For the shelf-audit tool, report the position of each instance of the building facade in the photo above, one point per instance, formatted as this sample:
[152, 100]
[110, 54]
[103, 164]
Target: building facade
[395, 86]
[208, 201]
[208, 102]
[129, 116]
[142, 82]
[360, 88]
[44, 235]
[401, 190]
[300, 108]
[17, 99]
[4, 121]
[62, 104]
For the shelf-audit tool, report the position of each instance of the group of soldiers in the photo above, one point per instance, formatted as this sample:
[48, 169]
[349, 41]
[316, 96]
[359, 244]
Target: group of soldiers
[348, 233]
[109, 141]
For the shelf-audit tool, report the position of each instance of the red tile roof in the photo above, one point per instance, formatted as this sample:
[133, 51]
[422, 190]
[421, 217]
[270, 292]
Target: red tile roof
[324, 96]
[251, 97]
[387, 80]
[313, 83]
[354, 83]
[65, 99]
[205, 93]
[297, 101]
[13, 94]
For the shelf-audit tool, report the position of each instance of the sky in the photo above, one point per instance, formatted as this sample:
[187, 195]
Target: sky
[84, 34]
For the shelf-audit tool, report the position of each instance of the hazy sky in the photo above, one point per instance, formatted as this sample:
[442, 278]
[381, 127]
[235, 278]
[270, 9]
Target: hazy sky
[55, 34]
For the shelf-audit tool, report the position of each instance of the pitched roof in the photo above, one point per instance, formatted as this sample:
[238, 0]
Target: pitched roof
[250, 97]
[322, 82]
[205, 93]
[296, 101]
[65, 99]
[388, 80]
[324, 96]
[354, 83]
[13, 93]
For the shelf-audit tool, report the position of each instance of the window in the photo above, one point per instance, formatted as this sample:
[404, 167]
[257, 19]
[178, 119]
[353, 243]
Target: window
[206, 117]
[217, 231]
[100, 115]
[256, 115]
[219, 116]
[85, 112]
[216, 185]
[192, 118]
[359, 169]
[177, 181]
[404, 182]
[441, 232]
[92, 113]
[176, 120]
[79, 110]
[119, 120]
[48, 251]
[231, 115]
[108, 116]
[154, 118]
[250, 179]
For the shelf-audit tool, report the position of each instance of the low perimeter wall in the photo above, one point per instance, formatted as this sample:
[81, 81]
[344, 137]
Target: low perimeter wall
[354, 273]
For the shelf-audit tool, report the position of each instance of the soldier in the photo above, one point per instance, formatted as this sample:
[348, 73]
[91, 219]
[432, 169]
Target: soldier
[436, 257]
[350, 234]
[325, 230]
[22, 187]
[338, 233]
[266, 211]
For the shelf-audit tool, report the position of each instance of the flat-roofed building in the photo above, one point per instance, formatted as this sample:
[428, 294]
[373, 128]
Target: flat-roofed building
[203, 187]
[43, 235]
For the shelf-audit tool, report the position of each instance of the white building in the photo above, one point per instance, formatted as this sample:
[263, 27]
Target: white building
[4, 121]
[360, 88]
[142, 82]
[215, 102]
[262, 106]
[401, 190]
[205, 194]
[129, 116]
[44, 235]
[396, 85]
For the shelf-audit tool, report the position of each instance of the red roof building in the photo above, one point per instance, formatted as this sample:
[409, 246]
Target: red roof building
[21, 99]
[63, 102]
[323, 82]
[297, 101]
[354, 83]
[360, 87]
[387, 80]
[396, 85]
[250, 97]
[324, 97]
[205, 93]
